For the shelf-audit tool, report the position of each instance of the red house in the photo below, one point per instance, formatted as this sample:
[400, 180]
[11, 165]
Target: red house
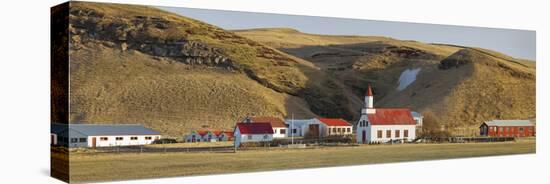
[507, 128]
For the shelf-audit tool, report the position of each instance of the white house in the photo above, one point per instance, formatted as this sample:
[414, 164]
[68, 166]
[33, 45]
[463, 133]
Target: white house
[97, 135]
[280, 129]
[334, 126]
[252, 132]
[384, 124]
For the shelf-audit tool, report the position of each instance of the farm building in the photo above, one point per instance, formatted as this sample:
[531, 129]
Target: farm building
[97, 135]
[331, 126]
[319, 127]
[384, 124]
[253, 132]
[507, 128]
[196, 136]
[225, 136]
[299, 127]
[279, 126]
[208, 136]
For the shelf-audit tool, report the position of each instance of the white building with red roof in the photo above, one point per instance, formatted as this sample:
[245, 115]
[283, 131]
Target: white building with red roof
[334, 126]
[252, 132]
[280, 129]
[384, 124]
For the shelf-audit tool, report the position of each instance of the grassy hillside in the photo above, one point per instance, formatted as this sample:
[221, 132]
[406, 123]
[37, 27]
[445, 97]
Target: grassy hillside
[131, 87]
[137, 64]
[459, 86]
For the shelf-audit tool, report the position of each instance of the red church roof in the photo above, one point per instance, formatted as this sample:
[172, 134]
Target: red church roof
[369, 91]
[391, 117]
[334, 122]
[255, 128]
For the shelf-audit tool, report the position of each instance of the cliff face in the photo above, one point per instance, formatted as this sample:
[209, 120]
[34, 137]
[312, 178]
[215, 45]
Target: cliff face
[141, 33]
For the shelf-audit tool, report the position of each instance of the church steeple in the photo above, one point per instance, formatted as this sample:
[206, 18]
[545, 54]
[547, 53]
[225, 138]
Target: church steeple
[369, 91]
[369, 98]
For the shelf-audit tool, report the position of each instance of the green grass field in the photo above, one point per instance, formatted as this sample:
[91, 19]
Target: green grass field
[101, 167]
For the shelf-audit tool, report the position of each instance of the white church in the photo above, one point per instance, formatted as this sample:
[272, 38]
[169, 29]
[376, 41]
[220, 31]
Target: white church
[384, 124]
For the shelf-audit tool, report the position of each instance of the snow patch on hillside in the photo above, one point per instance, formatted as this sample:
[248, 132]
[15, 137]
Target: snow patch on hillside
[407, 77]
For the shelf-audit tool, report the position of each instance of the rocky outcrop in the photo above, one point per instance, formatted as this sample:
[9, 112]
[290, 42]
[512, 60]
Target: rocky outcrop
[456, 60]
[141, 34]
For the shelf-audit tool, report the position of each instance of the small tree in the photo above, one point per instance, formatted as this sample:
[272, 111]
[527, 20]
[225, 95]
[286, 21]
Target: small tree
[432, 127]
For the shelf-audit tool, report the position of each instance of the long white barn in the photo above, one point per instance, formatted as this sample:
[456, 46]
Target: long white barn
[96, 135]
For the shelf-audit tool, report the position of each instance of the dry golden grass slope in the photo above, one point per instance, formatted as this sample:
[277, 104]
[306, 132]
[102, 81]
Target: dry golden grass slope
[485, 85]
[138, 64]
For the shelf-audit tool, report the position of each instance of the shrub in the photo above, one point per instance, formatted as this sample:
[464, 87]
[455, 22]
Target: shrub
[165, 141]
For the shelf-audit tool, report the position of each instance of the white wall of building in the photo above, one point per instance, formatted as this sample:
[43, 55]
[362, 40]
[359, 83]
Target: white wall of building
[343, 130]
[77, 139]
[111, 140]
[302, 126]
[372, 133]
[241, 138]
[418, 121]
[209, 137]
[277, 132]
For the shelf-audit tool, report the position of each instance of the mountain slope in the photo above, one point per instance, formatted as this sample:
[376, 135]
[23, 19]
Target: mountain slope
[459, 86]
[137, 64]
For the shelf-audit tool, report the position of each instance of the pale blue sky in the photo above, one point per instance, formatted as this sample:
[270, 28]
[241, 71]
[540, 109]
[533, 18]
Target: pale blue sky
[516, 43]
